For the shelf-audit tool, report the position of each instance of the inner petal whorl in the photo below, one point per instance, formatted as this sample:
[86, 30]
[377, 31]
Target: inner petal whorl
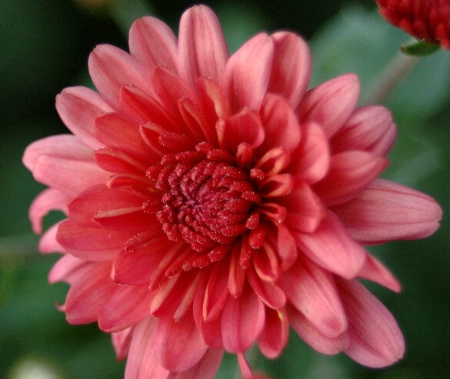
[204, 202]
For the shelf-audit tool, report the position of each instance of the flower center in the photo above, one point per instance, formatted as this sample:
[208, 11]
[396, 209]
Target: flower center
[205, 202]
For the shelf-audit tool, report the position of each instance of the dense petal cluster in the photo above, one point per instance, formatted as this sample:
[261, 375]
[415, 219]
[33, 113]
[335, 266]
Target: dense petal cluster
[213, 202]
[426, 20]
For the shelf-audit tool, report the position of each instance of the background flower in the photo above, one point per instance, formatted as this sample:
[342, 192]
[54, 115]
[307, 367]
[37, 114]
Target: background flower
[425, 20]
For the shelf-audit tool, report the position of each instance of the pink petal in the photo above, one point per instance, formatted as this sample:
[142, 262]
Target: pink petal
[213, 99]
[311, 160]
[85, 207]
[210, 330]
[121, 342]
[271, 294]
[206, 368]
[331, 103]
[153, 43]
[313, 292]
[78, 107]
[48, 242]
[265, 263]
[111, 68]
[119, 132]
[143, 109]
[63, 146]
[142, 362]
[245, 367]
[281, 127]
[48, 200]
[331, 247]
[286, 247]
[68, 269]
[242, 321]
[137, 266]
[216, 292]
[127, 306]
[92, 244]
[68, 176]
[118, 162]
[170, 89]
[369, 128]
[375, 338]
[306, 330]
[305, 210]
[387, 211]
[202, 50]
[195, 122]
[291, 70]
[375, 271]
[247, 73]
[86, 297]
[174, 298]
[350, 172]
[244, 127]
[179, 344]
[275, 334]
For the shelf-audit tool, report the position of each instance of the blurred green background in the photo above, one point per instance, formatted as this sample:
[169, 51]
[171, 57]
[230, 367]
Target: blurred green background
[44, 47]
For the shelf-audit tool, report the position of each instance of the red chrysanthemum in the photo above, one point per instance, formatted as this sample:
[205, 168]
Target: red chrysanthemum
[427, 20]
[212, 202]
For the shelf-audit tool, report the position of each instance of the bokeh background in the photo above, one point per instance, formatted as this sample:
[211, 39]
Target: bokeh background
[44, 47]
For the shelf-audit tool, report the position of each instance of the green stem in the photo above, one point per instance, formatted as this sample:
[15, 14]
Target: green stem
[390, 78]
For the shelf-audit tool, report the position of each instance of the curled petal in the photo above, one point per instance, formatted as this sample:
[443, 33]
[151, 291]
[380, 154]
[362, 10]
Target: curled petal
[48, 200]
[375, 338]
[387, 211]
[330, 104]
[202, 50]
[145, 34]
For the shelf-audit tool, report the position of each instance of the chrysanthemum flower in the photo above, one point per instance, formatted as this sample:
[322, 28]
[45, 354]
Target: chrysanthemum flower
[426, 20]
[213, 202]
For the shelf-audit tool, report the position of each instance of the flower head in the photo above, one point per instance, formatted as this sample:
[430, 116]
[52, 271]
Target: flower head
[212, 202]
[426, 20]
